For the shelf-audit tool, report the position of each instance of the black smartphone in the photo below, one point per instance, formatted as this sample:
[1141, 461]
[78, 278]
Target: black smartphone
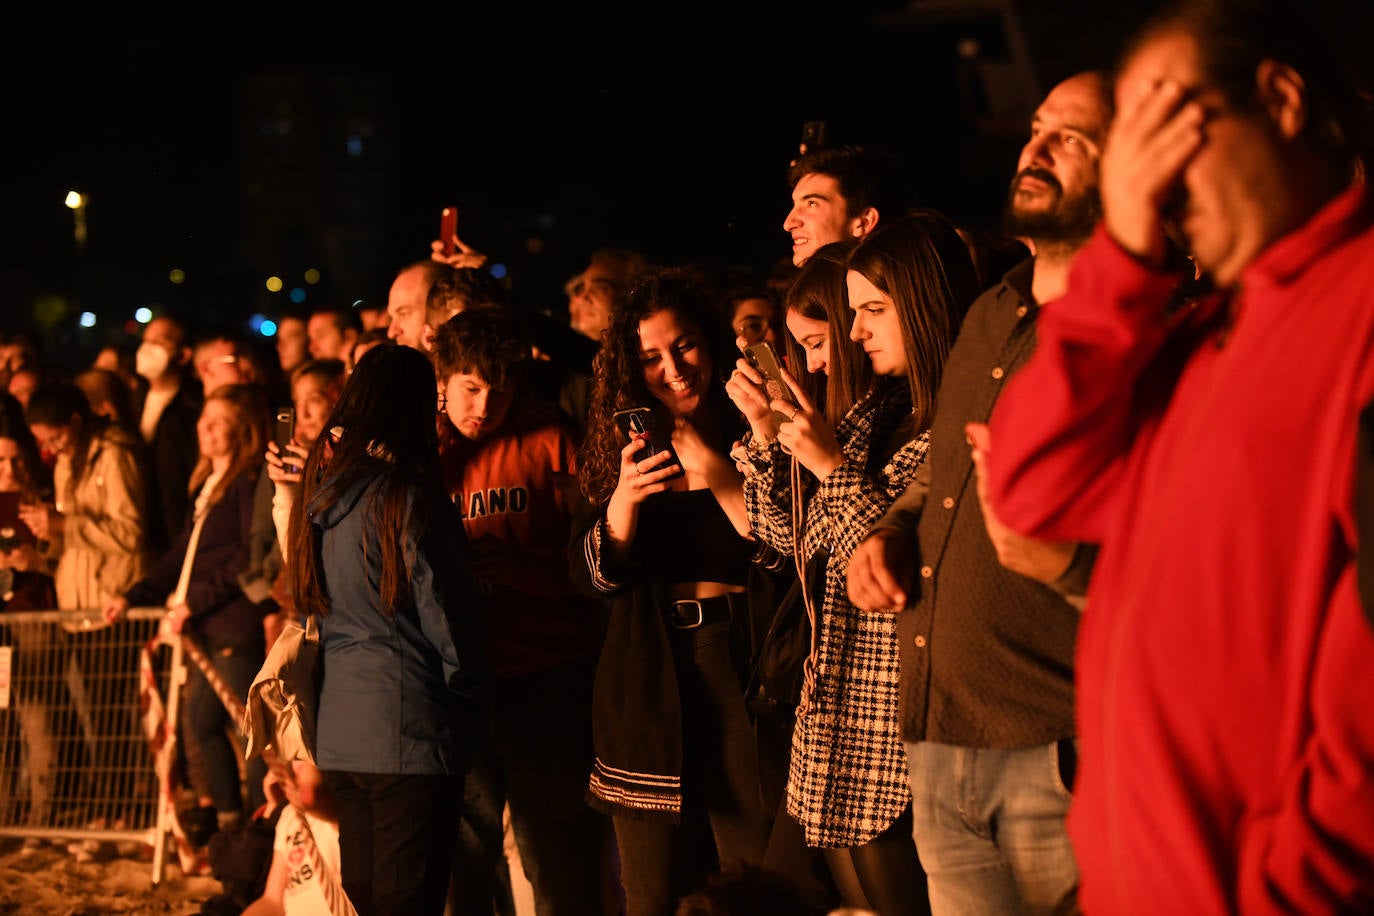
[13, 532]
[765, 359]
[448, 225]
[812, 136]
[641, 421]
[286, 433]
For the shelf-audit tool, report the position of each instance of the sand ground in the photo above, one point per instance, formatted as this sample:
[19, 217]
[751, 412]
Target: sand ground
[48, 881]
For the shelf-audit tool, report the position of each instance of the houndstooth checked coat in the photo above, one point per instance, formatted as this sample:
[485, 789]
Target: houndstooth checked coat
[848, 774]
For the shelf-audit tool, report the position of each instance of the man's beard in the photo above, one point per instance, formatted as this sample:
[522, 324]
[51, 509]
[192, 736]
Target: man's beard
[1070, 220]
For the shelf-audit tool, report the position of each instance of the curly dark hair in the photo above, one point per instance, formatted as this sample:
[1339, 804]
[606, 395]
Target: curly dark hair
[867, 176]
[486, 342]
[619, 375]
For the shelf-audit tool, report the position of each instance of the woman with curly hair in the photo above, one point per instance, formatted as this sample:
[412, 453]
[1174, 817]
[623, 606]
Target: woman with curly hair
[817, 486]
[668, 547]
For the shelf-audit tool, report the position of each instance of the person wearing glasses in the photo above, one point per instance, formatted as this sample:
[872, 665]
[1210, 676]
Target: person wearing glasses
[93, 531]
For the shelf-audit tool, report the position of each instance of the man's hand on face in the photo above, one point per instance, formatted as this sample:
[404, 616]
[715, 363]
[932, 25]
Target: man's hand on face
[1156, 131]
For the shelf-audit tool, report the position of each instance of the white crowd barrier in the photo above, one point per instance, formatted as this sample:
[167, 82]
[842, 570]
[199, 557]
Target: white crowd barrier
[86, 743]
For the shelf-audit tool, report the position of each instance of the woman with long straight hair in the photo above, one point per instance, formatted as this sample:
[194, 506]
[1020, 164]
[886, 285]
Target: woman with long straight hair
[907, 285]
[197, 580]
[377, 556]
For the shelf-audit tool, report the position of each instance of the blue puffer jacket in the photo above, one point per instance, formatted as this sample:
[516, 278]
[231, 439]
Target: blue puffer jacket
[396, 689]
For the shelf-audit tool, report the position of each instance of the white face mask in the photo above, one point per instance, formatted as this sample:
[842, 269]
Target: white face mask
[151, 361]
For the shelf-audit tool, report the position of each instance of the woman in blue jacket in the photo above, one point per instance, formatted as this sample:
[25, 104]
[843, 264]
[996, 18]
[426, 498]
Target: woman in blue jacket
[377, 553]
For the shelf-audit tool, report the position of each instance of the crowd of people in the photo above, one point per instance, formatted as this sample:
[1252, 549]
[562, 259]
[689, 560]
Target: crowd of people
[1029, 584]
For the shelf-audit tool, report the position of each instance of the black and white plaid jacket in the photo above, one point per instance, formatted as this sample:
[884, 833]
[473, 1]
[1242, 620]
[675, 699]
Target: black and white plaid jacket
[848, 774]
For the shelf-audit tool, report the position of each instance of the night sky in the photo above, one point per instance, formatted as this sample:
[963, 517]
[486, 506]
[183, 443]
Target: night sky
[667, 128]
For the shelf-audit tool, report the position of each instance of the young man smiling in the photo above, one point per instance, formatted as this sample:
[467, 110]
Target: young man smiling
[840, 193]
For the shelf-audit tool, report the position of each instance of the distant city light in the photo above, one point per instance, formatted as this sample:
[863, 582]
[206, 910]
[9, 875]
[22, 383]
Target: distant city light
[268, 328]
[143, 315]
[312, 276]
[74, 200]
[131, 327]
[354, 144]
[177, 275]
[88, 319]
[298, 295]
[498, 270]
[256, 321]
[274, 284]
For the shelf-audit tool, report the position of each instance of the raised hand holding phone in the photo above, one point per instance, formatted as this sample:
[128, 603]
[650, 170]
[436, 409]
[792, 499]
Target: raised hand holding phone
[448, 229]
[765, 361]
[285, 434]
[284, 463]
[807, 435]
[449, 248]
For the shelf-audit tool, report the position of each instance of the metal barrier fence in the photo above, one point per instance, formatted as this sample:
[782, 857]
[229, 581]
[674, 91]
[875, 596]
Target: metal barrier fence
[85, 735]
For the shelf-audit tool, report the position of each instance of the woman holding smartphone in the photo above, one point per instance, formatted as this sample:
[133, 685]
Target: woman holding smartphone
[91, 537]
[907, 286]
[26, 586]
[93, 531]
[667, 546]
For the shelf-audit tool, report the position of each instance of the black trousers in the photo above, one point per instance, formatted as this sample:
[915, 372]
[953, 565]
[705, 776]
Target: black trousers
[723, 818]
[396, 839]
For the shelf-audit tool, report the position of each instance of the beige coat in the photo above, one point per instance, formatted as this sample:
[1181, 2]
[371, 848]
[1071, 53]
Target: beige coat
[100, 551]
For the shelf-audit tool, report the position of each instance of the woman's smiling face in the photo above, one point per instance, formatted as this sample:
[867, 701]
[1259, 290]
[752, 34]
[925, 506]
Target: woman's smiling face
[813, 336]
[11, 466]
[677, 367]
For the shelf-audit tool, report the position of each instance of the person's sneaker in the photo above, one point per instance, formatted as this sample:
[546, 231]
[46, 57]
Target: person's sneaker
[133, 849]
[199, 824]
[85, 851]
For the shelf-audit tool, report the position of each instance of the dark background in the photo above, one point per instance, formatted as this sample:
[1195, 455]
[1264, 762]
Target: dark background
[216, 140]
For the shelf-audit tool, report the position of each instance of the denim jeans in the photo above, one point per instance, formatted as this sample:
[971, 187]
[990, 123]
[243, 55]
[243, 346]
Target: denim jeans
[204, 720]
[989, 828]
